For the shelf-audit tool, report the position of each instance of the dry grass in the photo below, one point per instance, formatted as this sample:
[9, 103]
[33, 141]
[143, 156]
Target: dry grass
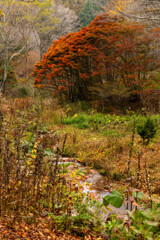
[107, 153]
[111, 155]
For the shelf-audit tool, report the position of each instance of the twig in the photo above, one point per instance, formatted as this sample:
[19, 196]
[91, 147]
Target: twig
[129, 173]
[147, 182]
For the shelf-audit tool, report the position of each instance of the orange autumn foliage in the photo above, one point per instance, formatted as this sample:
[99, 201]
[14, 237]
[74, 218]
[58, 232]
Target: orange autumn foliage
[109, 50]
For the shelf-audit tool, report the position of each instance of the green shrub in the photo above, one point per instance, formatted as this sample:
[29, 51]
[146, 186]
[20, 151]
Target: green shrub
[145, 223]
[23, 92]
[147, 130]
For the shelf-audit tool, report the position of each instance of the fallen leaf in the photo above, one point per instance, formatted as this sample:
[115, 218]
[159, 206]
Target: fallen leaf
[92, 171]
[41, 234]
[135, 204]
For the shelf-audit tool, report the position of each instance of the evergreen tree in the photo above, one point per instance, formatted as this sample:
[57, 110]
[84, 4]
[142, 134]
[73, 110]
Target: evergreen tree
[89, 12]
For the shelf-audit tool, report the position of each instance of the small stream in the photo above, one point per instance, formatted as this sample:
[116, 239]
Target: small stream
[95, 183]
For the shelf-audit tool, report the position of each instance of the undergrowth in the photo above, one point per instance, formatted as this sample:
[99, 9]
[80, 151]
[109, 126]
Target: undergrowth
[34, 186]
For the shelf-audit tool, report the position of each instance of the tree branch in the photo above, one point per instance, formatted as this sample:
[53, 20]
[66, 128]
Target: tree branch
[17, 53]
[136, 17]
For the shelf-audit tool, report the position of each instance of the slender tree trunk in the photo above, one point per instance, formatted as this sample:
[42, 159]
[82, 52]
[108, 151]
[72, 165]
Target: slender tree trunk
[2, 89]
[26, 55]
[41, 50]
[6, 64]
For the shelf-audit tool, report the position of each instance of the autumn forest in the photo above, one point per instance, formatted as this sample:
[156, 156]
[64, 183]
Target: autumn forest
[79, 119]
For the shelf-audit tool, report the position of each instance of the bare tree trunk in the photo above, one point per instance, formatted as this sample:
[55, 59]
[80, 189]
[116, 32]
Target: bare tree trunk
[2, 88]
[26, 55]
[6, 64]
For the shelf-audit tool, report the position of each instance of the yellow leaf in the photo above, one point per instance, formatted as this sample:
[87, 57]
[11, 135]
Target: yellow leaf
[109, 209]
[19, 182]
[2, 14]
[105, 212]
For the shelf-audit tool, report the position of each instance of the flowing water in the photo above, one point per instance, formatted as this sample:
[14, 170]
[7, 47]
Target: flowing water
[95, 184]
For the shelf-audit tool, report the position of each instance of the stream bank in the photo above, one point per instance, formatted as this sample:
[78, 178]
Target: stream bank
[95, 184]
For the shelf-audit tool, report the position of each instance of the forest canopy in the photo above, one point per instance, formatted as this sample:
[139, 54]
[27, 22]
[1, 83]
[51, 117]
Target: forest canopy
[109, 52]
